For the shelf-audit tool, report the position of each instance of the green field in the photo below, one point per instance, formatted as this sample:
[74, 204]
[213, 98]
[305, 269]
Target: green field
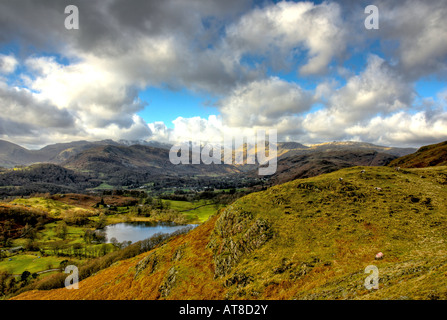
[74, 234]
[104, 186]
[53, 207]
[198, 211]
[29, 262]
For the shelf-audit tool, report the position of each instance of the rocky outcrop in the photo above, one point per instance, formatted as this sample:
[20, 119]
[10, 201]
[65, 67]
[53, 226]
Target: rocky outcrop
[150, 262]
[179, 252]
[237, 232]
[168, 282]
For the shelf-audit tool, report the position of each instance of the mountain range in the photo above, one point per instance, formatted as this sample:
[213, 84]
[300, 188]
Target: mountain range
[134, 164]
[12, 155]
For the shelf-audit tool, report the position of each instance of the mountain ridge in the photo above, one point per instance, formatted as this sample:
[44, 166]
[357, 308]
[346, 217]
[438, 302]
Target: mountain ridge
[12, 155]
[426, 156]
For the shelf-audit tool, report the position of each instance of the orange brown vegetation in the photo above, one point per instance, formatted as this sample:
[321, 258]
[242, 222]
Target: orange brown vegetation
[427, 156]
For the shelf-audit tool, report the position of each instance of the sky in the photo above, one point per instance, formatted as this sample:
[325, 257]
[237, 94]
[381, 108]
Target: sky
[179, 70]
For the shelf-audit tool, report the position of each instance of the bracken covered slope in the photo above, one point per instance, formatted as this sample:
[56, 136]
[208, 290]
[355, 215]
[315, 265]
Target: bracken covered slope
[306, 239]
[427, 156]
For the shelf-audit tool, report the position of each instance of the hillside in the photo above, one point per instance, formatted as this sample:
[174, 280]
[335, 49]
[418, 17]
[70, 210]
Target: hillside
[138, 164]
[291, 167]
[306, 239]
[42, 178]
[12, 155]
[427, 156]
[360, 146]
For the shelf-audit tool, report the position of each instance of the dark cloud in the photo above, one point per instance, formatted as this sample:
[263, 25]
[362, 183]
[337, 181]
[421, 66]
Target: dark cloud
[19, 105]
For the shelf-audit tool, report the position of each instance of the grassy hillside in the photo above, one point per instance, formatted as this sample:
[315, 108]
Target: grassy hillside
[306, 239]
[42, 178]
[318, 162]
[427, 156]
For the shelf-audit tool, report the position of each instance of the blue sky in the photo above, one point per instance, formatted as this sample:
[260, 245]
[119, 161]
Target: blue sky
[150, 70]
[166, 105]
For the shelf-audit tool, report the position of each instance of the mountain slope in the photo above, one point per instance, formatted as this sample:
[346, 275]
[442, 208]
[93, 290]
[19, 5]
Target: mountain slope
[42, 178]
[12, 155]
[360, 146]
[291, 167]
[138, 164]
[306, 239]
[427, 156]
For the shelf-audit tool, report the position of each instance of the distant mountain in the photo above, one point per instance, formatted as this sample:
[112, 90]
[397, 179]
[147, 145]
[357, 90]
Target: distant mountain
[291, 167]
[151, 143]
[360, 146]
[138, 164]
[43, 178]
[291, 145]
[427, 156]
[12, 155]
[297, 161]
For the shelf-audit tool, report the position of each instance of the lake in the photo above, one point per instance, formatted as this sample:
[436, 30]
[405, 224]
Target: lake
[136, 231]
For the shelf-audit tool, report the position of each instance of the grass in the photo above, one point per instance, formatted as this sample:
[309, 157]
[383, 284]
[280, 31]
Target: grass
[53, 207]
[74, 234]
[104, 186]
[29, 262]
[198, 211]
[337, 227]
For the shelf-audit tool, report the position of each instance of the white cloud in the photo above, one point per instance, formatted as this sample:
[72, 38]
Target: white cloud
[282, 30]
[403, 129]
[420, 28]
[264, 103]
[197, 129]
[8, 63]
[376, 90]
[99, 97]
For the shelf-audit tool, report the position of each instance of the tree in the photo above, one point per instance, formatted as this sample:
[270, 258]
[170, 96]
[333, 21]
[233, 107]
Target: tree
[7, 283]
[61, 230]
[3, 282]
[102, 222]
[24, 276]
[28, 232]
[114, 242]
[104, 249]
[63, 264]
[88, 236]
[31, 245]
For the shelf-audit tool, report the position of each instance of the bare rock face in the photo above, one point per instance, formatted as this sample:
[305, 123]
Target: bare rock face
[168, 282]
[150, 262]
[178, 254]
[236, 233]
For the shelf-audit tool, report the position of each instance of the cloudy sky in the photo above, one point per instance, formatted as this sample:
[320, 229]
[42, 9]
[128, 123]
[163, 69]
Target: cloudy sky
[190, 69]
